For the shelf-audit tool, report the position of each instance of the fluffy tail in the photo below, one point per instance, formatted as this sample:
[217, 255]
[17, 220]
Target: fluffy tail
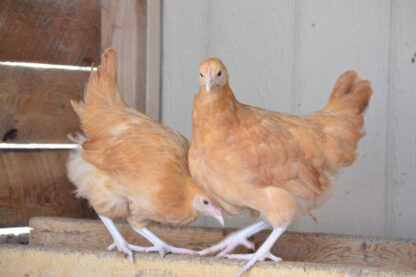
[102, 85]
[343, 119]
[102, 99]
[350, 95]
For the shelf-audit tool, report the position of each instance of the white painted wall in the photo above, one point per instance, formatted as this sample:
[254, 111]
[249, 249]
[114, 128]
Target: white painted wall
[285, 55]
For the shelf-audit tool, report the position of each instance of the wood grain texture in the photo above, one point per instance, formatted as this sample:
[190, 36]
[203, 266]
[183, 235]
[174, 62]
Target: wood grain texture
[401, 177]
[35, 184]
[34, 103]
[57, 32]
[123, 27]
[397, 254]
[92, 234]
[51, 262]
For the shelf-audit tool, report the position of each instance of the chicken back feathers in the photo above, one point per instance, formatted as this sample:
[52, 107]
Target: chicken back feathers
[276, 164]
[129, 165]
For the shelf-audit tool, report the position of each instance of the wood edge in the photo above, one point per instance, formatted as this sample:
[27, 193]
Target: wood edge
[67, 224]
[153, 58]
[208, 264]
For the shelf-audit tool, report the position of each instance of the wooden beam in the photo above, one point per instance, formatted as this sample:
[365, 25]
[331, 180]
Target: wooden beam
[153, 60]
[123, 27]
[51, 261]
[49, 31]
[34, 183]
[133, 29]
[388, 254]
[34, 103]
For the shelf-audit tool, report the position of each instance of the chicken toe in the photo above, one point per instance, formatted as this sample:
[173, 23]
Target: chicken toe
[236, 239]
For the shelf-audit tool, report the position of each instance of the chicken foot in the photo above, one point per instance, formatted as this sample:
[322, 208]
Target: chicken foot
[262, 253]
[119, 242]
[240, 237]
[159, 245]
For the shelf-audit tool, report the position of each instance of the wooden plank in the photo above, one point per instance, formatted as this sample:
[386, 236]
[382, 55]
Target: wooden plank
[153, 58]
[185, 42]
[401, 179]
[34, 103]
[57, 32]
[123, 27]
[35, 184]
[92, 234]
[335, 36]
[44, 261]
[395, 254]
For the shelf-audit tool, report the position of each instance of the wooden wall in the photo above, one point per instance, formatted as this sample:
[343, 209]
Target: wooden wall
[286, 55]
[34, 101]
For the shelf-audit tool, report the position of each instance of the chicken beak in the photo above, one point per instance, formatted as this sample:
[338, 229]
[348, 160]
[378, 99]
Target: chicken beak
[217, 214]
[209, 80]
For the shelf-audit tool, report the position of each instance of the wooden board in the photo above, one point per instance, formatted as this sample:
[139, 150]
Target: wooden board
[394, 254]
[34, 103]
[401, 101]
[51, 262]
[123, 27]
[35, 184]
[286, 56]
[334, 36]
[57, 32]
[133, 29]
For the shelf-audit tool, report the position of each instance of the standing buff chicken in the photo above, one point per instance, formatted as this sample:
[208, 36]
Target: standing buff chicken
[273, 164]
[130, 166]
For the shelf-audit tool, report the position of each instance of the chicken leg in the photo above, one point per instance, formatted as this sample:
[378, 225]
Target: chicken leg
[159, 245]
[240, 237]
[262, 253]
[119, 240]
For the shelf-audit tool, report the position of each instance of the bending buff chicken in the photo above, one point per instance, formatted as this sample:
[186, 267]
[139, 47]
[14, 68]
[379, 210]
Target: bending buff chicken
[129, 166]
[273, 164]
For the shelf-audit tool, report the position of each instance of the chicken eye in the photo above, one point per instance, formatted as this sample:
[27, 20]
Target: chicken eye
[202, 75]
[219, 73]
[205, 202]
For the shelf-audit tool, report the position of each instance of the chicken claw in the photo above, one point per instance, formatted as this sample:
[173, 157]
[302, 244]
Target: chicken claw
[118, 241]
[164, 249]
[159, 245]
[122, 247]
[263, 252]
[240, 237]
[228, 245]
[248, 257]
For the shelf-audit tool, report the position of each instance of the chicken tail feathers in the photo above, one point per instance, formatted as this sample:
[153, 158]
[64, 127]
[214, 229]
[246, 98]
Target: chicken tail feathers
[102, 105]
[351, 94]
[102, 85]
[344, 127]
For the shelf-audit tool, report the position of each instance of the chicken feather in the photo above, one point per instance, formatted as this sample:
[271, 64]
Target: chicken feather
[130, 166]
[275, 164]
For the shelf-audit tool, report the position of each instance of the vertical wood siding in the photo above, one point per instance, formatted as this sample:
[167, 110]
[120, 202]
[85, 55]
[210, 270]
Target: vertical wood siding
[286, 55]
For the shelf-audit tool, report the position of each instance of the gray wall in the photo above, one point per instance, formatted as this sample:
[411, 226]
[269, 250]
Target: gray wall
[286, 55]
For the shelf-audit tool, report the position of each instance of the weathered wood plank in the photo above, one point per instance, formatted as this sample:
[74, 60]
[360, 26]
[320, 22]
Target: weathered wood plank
[401, 101]
[34, 103]
[396, 254]
[84, 233]
[123, 27]
[51, 262]
[35, 184]
[57, 32]
[132, 28]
